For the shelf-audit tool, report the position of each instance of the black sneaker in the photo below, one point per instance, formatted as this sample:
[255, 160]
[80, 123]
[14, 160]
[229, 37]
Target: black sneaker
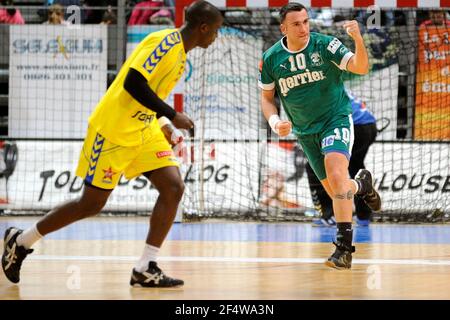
[153, 277]
[13, 255]
[366, 190]
[341, 258]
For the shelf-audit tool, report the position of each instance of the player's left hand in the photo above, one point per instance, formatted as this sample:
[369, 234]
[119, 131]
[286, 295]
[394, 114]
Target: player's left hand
[352, 28]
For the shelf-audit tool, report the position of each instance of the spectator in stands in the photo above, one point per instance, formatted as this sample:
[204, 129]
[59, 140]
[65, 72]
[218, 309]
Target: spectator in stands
[170, 4]
[143, 11]
[55, 15]
[163, 17]
[43, 13]
[11, 15]
[437, 18]
[94, 16]
[109, 17]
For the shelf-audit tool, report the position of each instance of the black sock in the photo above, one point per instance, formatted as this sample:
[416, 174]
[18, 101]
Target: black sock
[344, 233]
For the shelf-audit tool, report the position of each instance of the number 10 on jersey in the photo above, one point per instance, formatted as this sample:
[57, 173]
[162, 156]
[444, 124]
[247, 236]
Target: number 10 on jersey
[297, 63]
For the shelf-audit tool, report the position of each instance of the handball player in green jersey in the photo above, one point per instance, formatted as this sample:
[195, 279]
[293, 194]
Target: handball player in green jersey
[305, 69]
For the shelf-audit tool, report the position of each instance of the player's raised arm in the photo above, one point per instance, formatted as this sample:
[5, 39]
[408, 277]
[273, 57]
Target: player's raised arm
[359, 63]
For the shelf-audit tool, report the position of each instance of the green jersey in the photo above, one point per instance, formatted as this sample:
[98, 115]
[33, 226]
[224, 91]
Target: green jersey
[308, 81]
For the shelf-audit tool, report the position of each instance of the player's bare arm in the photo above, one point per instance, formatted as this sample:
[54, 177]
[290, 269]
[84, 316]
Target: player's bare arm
[359, 63]
[281, 127]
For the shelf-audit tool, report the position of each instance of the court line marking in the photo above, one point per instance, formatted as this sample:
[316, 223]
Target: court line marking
[243, 260]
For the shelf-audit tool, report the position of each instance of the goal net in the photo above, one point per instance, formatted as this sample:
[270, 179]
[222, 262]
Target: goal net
[51, 78]
[240, 170]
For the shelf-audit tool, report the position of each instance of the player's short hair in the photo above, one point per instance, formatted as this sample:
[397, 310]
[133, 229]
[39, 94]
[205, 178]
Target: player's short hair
[290, 7]
[202, 12]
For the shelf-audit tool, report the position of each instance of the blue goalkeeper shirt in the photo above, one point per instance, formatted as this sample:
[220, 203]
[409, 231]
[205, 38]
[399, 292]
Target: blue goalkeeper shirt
[360, 114]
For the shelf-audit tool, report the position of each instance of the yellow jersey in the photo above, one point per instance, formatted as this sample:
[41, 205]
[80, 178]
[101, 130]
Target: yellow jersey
[121, 119]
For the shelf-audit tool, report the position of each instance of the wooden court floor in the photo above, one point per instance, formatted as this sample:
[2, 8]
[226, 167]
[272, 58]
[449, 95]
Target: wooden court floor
[231, 260]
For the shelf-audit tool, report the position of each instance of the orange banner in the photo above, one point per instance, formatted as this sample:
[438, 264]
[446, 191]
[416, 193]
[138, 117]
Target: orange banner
[432, 117]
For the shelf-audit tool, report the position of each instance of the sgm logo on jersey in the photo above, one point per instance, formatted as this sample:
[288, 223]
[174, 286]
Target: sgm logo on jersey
[328, 141]
[289, 83]
[163, 154]
[143, 116]
[316, 59]
[334, 45]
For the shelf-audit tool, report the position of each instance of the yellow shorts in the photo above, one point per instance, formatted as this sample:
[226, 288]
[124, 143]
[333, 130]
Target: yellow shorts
[102, 163]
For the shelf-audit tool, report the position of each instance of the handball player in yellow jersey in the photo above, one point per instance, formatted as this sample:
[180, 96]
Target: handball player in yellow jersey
[125, 137]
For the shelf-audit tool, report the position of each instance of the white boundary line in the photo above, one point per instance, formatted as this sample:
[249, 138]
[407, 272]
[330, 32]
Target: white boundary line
[244, 260]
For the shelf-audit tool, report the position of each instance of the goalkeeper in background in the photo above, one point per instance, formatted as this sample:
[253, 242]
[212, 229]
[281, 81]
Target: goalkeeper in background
[365, 134]
[124, 137]
[306, 71]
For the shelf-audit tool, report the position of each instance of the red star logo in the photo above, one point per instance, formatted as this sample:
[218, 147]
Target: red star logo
[109, 173]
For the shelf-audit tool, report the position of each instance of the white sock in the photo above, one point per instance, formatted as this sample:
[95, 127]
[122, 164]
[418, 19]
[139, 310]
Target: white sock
[29, 237]
[150, 253]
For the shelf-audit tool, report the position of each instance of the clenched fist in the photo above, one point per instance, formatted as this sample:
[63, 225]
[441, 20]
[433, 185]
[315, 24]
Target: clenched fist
[283, 128]
[352, 28]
